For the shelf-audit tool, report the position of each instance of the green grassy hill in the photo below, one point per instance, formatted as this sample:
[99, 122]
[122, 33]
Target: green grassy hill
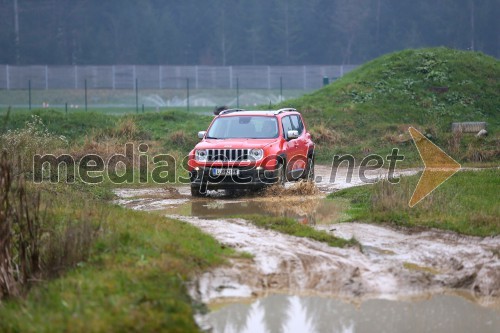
[370, 109]
[367, 111]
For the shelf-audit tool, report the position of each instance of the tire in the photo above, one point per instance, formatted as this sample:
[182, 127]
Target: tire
[195, 192]
[281, 175]
[310, 169]
[256, 189]
[231, 193]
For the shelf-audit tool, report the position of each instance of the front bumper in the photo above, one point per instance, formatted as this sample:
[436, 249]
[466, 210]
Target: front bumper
[247, 178]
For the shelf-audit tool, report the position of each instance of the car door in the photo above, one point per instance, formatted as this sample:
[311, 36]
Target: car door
[291, 147]
[300, 145]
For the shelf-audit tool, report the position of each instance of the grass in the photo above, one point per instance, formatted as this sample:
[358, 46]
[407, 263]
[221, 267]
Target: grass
[292, 227]
[467, 203]
[74, 126]
[176, 130]
[80, 124]
[173, 133]
[370, 109]
[133, 280]
[104, 268]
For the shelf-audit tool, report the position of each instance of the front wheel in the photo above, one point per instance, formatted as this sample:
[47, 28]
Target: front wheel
[310, 169]
[196, 192]
[281, 175]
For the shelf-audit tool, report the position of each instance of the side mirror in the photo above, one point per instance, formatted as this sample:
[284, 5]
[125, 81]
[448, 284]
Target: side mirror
[201, 134]
[292, 135]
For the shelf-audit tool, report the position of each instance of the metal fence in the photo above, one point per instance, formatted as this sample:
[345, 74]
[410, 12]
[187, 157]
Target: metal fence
[167, 77]
[159, 86]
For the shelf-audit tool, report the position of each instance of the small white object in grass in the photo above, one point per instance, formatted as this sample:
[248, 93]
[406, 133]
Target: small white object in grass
[482, 133]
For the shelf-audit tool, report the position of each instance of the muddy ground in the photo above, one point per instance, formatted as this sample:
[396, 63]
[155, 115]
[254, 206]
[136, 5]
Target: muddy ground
[390, 263]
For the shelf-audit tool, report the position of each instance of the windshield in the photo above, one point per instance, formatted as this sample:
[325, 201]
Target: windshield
[244, 127]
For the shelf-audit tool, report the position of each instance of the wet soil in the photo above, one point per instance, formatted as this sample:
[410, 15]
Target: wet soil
[391, 264]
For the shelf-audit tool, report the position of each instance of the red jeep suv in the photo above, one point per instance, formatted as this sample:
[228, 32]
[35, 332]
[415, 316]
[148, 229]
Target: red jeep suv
[251, 149]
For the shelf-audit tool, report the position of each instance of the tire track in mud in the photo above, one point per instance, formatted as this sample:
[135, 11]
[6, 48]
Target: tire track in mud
[298, 265]
[283, 263]
[391, 263]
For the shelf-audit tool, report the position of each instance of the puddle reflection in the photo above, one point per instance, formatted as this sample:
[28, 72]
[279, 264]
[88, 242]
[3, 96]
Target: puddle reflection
[305, 210]
[282, 313]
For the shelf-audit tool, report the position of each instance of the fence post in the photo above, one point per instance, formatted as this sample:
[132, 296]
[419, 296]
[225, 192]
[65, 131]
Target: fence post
[268, 78]
[46, 77]
[29, 94]
[159, 77]
[305, 77]
[187, 93]
[76, 77]
[134, 74]
[136, 95]
[237, 92]
[281, 88]
[7, 76]
[113, 73]
[196, 77]
[85, 94]
[66, 108]
[230, 77]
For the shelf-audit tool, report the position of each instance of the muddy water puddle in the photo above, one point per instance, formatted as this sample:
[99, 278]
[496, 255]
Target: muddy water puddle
[307, 209]
[299, 314]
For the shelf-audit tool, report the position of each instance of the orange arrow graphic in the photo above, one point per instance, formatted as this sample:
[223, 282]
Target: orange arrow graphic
[439, 166]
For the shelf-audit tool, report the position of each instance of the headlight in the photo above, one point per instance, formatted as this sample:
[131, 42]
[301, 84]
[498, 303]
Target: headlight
[201, 155]
[256, 154]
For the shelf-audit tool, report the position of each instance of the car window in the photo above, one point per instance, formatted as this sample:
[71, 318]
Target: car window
[287, 126]
[251, 127]
[297, 124]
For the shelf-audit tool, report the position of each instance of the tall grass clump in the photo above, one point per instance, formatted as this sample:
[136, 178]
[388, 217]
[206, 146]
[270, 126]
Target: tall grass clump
[24, 143]
[20, 232]
[38, 240]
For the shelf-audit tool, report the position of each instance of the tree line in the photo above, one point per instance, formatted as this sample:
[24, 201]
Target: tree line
[238, 32]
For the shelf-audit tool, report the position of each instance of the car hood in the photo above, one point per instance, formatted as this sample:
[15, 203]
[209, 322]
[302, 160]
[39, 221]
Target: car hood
[235, 143]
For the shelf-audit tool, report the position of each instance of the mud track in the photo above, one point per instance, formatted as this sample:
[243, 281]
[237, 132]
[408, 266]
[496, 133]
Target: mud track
[391, 263]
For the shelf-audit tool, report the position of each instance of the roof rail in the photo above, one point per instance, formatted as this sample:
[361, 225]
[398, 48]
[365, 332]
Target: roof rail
[231, 111]
[286, 110]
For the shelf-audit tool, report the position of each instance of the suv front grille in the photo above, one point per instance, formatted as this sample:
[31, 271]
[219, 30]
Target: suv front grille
[227, 155]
